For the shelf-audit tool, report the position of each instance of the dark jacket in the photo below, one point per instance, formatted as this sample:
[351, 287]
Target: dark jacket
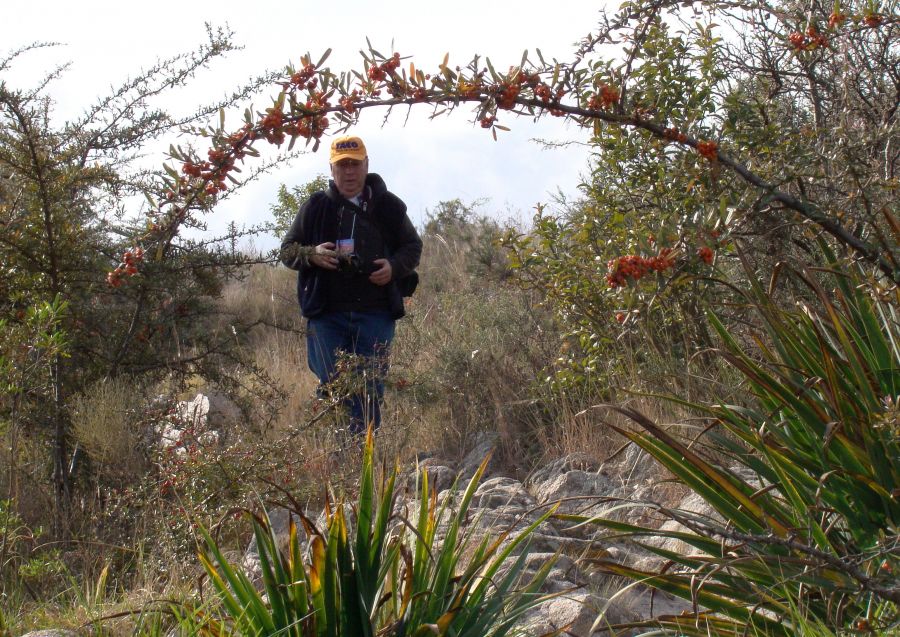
[311, 227]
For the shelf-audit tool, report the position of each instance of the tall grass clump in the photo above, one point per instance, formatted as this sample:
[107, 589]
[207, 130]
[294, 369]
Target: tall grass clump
[801, 482]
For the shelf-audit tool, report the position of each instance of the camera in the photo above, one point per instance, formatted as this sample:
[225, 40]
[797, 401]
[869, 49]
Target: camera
[350, 263]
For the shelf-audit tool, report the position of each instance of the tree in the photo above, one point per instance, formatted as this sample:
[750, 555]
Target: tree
[289, 202]
[649, 95]
[806, 99]
[70, 198]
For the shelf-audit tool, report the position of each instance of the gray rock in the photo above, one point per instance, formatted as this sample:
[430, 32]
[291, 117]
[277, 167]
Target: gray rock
[575, 612]
[440, 475]
[485, 443]
[577, 491]
[589, 600]
[571, 462]
[634, 603]
[562, 568]
[502, 493]
[637, 465]
[223, 413]
[279, 519]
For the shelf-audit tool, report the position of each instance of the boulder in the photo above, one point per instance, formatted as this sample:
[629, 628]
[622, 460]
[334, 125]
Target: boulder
[201, 421]
[577, 491]
[485, 443]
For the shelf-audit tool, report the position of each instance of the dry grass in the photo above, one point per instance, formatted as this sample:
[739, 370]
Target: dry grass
[105, 424]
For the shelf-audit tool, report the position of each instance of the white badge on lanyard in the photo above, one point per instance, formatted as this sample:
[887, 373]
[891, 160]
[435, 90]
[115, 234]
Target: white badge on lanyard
[345, 246]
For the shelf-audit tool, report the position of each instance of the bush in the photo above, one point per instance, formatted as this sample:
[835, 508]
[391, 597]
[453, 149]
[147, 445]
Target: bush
[803, 481]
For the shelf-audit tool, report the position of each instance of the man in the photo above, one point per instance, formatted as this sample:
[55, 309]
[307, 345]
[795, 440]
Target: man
[355, 251]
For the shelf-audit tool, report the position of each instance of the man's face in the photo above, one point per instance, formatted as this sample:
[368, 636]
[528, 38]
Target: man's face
[350, 176]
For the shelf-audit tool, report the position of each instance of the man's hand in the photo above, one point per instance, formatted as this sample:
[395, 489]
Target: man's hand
[325, 257]
[382, 275]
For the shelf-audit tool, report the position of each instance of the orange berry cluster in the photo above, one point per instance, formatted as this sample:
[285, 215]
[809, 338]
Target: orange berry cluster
[209, 173]
[557, 112]
[531, 79]
[543, 92]
[215, 171]
[300, 78]
[308, 127]
[380, 72]
[220, 164]
[397, 86]
[348, 102]
[204, 178]
[635, 267]
[706, 254]
[313, 125]
[487, 121]
[608, 96]
[675, 135]
[128, 267]
[812, 39]
[508, 92]
[873, 20]
[709, 150]
[271, 126]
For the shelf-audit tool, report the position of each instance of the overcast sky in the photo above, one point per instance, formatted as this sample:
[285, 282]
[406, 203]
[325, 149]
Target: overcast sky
[423, 162]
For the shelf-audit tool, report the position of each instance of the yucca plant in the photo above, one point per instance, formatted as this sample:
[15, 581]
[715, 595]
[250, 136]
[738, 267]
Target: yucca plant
[804, 482]
[384, 575]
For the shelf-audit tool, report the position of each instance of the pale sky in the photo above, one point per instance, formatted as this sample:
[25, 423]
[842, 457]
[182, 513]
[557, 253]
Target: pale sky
[423, 162]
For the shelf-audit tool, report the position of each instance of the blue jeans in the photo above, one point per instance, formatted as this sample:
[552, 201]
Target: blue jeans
[366, 335]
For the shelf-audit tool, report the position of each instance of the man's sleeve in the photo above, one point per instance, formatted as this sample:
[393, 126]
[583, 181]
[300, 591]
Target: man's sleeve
[405, 257]
[294, 253]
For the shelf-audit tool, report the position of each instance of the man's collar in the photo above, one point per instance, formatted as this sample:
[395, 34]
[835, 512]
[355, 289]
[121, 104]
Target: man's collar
[364, 195]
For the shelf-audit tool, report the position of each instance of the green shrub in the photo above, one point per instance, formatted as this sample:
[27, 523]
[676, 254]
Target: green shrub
[803, 482]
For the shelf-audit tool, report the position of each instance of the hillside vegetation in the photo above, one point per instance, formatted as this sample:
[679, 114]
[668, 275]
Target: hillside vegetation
[723, 295]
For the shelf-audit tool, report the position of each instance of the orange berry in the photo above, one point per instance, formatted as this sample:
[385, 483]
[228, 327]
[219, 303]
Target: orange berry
[798, 40]
[873, 20]
[709, 150]
[836, 19]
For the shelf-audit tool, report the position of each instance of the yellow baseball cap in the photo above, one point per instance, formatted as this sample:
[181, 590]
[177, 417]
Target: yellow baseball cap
[347, 147]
